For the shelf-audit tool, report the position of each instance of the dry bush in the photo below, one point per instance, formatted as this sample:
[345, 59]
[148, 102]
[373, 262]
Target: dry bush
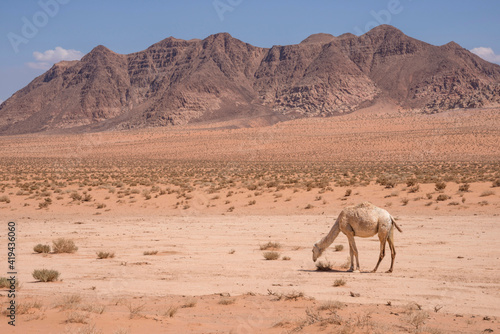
[309, 206]
[339, 248]
[495, 183]
[63, 245]
[271, 255]
[414, 189]
[105, 255]
[442, 197]
[487, 193]
[94, 308]
[45, 275]
[75, 196]
[270, 245]
[440, 185]
[26, 307]
[324, 266]
[331, 306]
[153, 252]
[135, 310]
[339, 282]
[189, 303]
[41, 248]
[77, 317]
[4, 199]
[226, 301]
[5, 283]
[464, 187]
[411, 182]
[171, 311]
[348, 192]
[404, 201]
[286, 258]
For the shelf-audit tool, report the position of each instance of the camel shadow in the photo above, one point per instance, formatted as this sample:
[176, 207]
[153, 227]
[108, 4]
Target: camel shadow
[335, 271]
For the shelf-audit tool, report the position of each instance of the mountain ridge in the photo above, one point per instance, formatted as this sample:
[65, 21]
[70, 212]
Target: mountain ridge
[175, 82]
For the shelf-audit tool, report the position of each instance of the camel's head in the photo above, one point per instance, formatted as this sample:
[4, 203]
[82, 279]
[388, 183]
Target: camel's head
[316, 252]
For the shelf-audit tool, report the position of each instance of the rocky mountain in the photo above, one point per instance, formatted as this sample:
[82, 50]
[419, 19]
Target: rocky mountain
[219, 78]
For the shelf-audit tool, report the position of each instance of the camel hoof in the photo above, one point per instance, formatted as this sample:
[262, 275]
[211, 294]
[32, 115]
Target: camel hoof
[374, 270]
[388, 271]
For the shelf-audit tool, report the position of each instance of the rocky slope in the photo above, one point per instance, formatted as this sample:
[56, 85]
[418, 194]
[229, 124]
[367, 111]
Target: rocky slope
[177, 82]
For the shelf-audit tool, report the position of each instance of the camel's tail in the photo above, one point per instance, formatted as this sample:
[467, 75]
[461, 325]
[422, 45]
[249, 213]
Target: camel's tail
[396, 225]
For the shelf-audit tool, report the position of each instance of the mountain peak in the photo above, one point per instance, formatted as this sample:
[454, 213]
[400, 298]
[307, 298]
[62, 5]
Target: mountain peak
[318, 38]
[385, 29]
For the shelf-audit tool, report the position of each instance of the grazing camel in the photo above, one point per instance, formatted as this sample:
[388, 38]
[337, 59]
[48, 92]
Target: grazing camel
[362, 220]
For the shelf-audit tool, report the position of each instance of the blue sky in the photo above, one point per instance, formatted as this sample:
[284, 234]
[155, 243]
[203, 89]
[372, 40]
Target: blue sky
[36, 33]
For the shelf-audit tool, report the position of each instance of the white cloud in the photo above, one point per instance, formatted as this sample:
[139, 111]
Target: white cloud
[44, 60]
[487, 54]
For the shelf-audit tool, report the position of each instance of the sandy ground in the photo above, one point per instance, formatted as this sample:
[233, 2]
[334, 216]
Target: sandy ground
[209, 274]
[446, 262]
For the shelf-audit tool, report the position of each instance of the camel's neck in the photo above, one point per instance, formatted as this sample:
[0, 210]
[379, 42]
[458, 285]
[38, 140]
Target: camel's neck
[330, 237]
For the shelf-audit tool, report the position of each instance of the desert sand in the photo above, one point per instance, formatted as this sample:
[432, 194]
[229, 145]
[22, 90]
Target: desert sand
[204, 200]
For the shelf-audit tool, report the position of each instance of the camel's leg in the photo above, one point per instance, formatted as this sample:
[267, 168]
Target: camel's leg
[353, 250]
[390, 240]
[351, 253]
[382, 238]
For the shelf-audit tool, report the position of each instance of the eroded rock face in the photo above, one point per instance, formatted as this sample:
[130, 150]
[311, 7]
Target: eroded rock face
[176, 82]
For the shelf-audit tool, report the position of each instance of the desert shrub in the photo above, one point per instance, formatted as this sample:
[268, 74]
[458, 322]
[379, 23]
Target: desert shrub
[77, 317]
[87, 198]
[270, 245]
[411, 182]
[153, 252]
[45, 275]
[189, 303]
[414, 189]
[252, 202]
[440, 185]
[101, 206]
[442, 197]
[4, 199]
[45, 203]
[331, 306]
[41, 248]
[63, 245]
[271, 255]
[75, 196]
[339, 282]
[324, 266]
[226, 301]
[404, 201]
[454, 203]
[487, 193]
[286, 258]
[5, 283]
[464, 187]
[495, 183]
[338, 248]
[171, 311]
[309, 206]
[105, 255]
[348, 192]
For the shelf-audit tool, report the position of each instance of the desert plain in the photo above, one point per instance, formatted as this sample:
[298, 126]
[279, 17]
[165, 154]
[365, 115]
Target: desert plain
[186, 216]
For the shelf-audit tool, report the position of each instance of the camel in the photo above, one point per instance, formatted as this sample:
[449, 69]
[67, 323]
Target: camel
[362, 220]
